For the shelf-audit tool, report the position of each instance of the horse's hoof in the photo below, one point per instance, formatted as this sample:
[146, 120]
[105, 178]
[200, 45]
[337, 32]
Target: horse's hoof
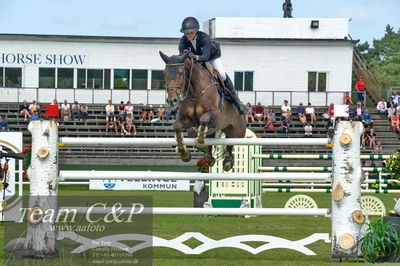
[228, 164]
[186, 157]
[211, 161]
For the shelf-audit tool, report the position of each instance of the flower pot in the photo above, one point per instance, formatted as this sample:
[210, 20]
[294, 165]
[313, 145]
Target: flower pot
[395, 220]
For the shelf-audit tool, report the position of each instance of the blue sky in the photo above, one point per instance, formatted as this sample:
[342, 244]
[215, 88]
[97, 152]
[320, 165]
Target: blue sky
[163, 18]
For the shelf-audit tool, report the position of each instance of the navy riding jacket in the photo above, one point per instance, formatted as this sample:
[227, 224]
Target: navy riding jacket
[206, 49]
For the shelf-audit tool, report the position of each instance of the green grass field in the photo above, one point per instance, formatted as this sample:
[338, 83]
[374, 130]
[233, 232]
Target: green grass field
[169, 226]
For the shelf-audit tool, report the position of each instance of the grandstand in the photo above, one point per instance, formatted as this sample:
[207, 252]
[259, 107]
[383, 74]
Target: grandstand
[94, 126]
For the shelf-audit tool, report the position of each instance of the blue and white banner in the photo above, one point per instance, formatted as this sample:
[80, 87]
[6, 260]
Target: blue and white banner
[139, 185]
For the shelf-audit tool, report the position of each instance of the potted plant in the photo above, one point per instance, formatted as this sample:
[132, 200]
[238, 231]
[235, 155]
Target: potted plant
[381, 242]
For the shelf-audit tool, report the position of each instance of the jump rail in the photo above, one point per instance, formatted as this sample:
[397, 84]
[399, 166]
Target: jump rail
[312, 156]
[146, 142]
[150, 175]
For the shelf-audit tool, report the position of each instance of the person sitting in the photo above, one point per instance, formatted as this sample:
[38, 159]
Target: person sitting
[347, 99]
[34, 116]
[249, 113]
[128, 107]
[286, 109]
[110, 118]
[301, 114]
[270, 120]
[84, 112]
[366, 119]
[310, 112]
[161, 112]
[330, 128]
[151, 112]
[121, 108]
[129, 123]
[378, 149]
[381, 107]
[9, 83]
[331, 111]
[76, 111]
[368, 139]
[205, 50]
[394, 99]
[308, 130]
[24, 109]
[122, 123]
[358, 111]
[171, 112]
[391, 111]
[285, 125]
[144, 113]
[33, 106]
[4, 125]
[65, 111]
[259, 112]
[395, 124]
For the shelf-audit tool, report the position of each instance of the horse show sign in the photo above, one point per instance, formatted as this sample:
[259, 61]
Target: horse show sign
[139, 184]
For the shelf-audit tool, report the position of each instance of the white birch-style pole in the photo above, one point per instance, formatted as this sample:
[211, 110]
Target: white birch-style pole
[43, 175]
[347, 216]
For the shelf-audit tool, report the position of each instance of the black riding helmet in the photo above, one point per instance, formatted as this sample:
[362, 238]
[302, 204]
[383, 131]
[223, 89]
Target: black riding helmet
[190, 24]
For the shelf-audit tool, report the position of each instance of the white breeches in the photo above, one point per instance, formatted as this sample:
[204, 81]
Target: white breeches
[217, 64]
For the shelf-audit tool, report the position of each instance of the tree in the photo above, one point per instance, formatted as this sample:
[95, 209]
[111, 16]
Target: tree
[384, 57]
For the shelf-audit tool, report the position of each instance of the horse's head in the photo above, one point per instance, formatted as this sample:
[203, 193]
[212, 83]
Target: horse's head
[174, 73]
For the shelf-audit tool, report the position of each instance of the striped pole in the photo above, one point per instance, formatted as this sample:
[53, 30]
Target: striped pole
[312, 156]
[200, 211]
[152, 175]
[328, 190]
[310, 169]
[311, 184]
[145, 142]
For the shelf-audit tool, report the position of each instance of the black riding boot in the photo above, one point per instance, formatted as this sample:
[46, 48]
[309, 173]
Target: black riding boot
[239, 105]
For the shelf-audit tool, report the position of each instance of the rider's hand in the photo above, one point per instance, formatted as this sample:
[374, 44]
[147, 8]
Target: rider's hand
[196, 58]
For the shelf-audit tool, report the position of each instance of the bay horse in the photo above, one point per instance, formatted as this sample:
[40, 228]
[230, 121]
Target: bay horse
[191, 89]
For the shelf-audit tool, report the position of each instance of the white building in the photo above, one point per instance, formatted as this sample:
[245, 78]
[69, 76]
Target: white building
[269, 59]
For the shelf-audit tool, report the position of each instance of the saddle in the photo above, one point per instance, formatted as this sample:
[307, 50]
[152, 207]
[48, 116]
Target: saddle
[222, 90]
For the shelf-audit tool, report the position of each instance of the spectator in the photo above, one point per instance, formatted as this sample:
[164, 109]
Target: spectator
[129, 123]
[65, 111]
[122, 124]
[301, 114]
[249, 113]
[358, 111]
[110, 118]
[310, 112]
[76, 111]
[360, 86]
[161, 112]
[330, 128]
[308, 130]
[34, 106]
[381, 107]
[121, 108]
[266, 111]
[128, 107]
[394, 99]
[331, 111]
[55, 102]
[170, 113]
[151, 112]
[391, 111]
[366, 119]
[378, 149]
[368, 139]
[84, 112]
[34, 116]
[285, 125]
[144, 113]
[259, 112]
[4, 125]
[9, 83]
[398, 110]
[286, 109]
[24, 109]
[395, 124]
[347, 99]
[271, 120]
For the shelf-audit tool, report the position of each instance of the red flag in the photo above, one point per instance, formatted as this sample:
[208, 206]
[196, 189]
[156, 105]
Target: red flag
[52, 110]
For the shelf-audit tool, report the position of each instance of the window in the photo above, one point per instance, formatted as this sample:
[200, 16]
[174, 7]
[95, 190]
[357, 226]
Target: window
[139, 79]
[47, 78]
[107, 78]
[157, 80]
[81, 78]
[1, 77]
[244, 81]
[65, 78]
[12, 77]
[95, 78]
[121, 78]
[317, 81]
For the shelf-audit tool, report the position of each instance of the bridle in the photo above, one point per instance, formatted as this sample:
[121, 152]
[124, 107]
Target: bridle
[181, 86]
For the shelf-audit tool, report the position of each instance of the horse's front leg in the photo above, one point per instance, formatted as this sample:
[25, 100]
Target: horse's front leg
[181, 147]
[228, 160]
[207, 119]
